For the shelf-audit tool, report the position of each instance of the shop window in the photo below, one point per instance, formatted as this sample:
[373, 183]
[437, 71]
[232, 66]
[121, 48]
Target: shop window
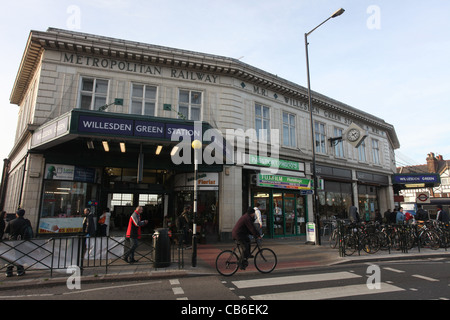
[63, 204]
[320, 137]
[190, 105]
[289, 139]
[93, 93]
[143, 100]
[262, 122]
[335, 200]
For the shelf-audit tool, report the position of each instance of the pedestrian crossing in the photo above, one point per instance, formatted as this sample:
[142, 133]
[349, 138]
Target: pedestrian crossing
[316, 286]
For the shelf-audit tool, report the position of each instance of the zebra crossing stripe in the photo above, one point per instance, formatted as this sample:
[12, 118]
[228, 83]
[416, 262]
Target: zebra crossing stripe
[244, 284]
[328, 293]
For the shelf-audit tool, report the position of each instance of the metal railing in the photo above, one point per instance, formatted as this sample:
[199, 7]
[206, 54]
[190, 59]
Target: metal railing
[87, 252]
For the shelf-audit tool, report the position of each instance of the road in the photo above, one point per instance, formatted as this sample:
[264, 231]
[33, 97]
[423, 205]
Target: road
[401, 280]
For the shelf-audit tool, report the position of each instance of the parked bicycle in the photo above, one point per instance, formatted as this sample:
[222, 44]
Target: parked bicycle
[360, 237]
[229, 261]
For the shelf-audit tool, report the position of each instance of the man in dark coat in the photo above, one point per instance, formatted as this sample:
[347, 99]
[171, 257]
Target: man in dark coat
[16, 231]
[242, 230]
[442, 215]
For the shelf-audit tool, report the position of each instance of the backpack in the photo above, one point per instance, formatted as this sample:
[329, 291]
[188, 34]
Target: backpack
[27, 231]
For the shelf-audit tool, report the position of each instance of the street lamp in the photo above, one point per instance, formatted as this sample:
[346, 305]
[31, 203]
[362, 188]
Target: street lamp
[313, 140]
[196, 145]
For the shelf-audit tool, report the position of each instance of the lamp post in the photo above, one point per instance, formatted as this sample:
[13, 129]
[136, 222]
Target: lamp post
[313, 140]
[196, 145]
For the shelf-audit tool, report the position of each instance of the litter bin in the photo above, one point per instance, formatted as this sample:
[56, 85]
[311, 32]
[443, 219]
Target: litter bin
[161, 248]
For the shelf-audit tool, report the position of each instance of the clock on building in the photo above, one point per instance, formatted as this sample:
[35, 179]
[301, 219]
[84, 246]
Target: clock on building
[353, 135]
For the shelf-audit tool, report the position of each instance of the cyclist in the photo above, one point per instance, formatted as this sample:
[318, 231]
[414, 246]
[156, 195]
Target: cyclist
[241, 232]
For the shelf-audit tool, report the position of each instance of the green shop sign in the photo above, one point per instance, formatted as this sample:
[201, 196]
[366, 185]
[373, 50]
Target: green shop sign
[282, 182]
[275, 163]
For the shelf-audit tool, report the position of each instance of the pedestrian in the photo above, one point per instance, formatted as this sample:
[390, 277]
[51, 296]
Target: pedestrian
[442, 215]
[18, 229]
[134, 233]
[393, 216]
[2, 224]
[354, 215]
[89, 227]
[258, 219]
[183, 226]
[378, 217]
[104, 221]
[387, 216]
[421, 214]
[400, 218]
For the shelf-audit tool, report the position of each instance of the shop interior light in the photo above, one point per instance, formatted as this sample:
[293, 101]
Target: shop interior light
[158, 150]
[174, 151]
[105, 146]
[90, 145]
[123, 147]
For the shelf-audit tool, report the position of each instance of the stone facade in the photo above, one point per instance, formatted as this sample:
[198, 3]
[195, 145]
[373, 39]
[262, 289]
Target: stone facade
[49, 85]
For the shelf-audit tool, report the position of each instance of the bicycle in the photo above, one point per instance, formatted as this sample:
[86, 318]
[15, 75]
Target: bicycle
[229, 261]
[358, 237]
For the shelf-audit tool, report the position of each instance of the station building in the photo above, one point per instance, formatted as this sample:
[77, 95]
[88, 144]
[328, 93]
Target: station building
[95, 129]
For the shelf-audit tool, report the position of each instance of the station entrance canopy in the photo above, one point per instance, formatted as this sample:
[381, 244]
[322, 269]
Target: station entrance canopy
[97, 125]
[415, 181]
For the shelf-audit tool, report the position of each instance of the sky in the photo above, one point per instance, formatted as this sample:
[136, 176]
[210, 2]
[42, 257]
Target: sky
[388, 58]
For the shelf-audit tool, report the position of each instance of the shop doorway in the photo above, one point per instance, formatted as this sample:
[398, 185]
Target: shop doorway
[207, 212]
[122, 206]
[283, 213]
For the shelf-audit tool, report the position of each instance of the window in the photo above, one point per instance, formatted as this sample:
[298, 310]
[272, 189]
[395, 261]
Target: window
[262, 122]
[339, 145]
[375, 152]
[122, 199]
[289, 130]
[320, 137]
[362, 152]
[143, 100]
[93, 93]
[190, 105]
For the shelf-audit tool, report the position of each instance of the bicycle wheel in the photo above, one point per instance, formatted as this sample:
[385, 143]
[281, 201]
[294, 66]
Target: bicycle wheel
[349, 245]
[334, 239]
[265, 260]
[227, 263]
[430, 239]
[370, 243]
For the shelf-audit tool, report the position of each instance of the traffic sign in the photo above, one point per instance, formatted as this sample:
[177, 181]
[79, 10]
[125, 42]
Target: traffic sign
[423, 197]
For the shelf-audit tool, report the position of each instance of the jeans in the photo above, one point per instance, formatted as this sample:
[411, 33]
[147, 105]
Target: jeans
[130, 252]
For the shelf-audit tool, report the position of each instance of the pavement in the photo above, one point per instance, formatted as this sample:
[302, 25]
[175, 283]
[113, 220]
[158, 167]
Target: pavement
[292, 254]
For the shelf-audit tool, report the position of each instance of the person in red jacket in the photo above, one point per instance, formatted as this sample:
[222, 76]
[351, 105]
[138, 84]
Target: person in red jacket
[241, 232]
[134, 233]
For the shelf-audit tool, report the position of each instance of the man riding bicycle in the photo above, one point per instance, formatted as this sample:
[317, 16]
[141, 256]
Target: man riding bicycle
[241, 232]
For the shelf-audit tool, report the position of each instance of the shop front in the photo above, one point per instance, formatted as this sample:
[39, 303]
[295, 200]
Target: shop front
[335, 192]
[371, 189]
[283, 212]
[207, 218]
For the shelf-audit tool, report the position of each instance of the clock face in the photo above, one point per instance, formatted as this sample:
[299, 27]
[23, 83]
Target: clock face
[353, 135]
